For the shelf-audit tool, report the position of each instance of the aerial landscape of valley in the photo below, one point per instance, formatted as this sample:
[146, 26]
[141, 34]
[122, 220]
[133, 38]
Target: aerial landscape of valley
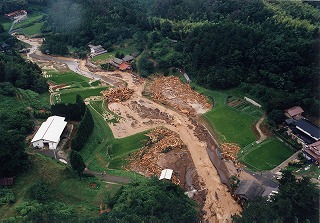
[159, 111]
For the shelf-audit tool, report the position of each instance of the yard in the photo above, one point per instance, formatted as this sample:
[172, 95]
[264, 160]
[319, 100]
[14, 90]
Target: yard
[266, 155]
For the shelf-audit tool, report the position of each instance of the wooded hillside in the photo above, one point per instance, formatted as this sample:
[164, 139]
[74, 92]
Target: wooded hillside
[269, 49]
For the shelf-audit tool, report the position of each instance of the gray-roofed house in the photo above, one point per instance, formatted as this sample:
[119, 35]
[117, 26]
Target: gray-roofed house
[117, 61]
[309, 129]
[127, 58]
[249, 190]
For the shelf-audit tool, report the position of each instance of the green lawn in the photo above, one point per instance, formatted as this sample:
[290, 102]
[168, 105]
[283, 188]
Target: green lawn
[229, 124]
[66, 187]
[69, 96]
[66, 78]
[232, 126]
[266, 155]
[32, 30]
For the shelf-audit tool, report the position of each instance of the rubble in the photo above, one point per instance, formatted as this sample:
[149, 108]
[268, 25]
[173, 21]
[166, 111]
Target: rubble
[148, 160]
[230, 152]
[117, 94]
[171, 91]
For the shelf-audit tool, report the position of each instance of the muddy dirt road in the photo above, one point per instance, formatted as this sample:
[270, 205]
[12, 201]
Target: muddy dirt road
[140, 113]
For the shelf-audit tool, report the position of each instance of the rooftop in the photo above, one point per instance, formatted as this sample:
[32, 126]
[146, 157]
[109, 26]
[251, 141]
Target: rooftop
[166, 174]
[308, 128]
[51, 129]
[249, 189]
[296, 110]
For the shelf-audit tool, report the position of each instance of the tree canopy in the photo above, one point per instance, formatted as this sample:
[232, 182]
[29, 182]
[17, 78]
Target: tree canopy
[152, 201]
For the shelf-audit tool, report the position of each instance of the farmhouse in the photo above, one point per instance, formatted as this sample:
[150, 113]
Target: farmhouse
[249, 190]
[294, 112]
[96, 50]
[128, 58]
[48, 135]
[14, 15]
[120, 64]
[312, 152]
[306, 131]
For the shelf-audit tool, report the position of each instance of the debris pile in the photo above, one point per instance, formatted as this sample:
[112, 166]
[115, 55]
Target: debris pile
[230, 151]
[170, 90]
[117, 94]
[148, 160]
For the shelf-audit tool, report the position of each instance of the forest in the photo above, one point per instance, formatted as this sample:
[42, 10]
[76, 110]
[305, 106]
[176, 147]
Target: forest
[267, 49]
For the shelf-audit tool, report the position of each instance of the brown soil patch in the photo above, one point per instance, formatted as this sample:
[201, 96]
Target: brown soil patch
[171, 91]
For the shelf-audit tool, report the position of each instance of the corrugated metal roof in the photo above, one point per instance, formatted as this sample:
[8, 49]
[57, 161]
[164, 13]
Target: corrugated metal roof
[166, 174]
[51, 129]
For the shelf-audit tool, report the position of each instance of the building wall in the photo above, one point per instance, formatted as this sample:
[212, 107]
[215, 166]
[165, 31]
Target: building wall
[38, 144]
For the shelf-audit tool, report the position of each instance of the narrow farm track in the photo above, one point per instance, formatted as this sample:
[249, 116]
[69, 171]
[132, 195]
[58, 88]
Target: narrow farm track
[219, 205]
[262, 135]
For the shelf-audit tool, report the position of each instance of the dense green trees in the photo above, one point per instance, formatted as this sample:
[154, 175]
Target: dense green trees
[84, 131]
[296, 200]
[74, 112]
[152, 201]
[77, 162]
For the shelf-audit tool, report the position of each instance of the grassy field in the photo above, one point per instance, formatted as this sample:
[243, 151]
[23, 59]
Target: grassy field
[232, 126]
[266, 155]
[66, 77]
[32, 30]
[228, 124]
[102, 148]
[66, 187]
[69, 95]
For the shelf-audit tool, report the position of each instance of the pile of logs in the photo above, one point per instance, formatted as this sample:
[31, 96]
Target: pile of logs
[230, 151]
[117, 94]
[170, 90]
[146, 161]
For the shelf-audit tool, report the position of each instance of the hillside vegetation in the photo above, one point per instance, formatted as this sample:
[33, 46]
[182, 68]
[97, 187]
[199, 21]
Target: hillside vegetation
[269, 49]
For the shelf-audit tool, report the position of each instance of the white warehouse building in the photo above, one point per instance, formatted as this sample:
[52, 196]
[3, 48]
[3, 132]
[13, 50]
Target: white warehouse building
[48, 135]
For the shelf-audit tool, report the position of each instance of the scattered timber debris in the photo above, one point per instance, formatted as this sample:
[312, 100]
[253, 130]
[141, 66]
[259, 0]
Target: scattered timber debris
[117, 94]
[230, 152]
[148, 160]
[171, 91]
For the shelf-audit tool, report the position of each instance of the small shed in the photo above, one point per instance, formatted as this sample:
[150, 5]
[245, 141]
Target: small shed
[117, 61]
[166, 174]
[249, 190]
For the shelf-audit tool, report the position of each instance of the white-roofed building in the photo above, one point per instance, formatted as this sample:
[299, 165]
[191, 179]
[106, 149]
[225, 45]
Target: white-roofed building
[49, 132]
[166, 174]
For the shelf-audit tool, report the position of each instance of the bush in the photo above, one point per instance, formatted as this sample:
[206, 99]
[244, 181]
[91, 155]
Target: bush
[6, 196]
[40, 191]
